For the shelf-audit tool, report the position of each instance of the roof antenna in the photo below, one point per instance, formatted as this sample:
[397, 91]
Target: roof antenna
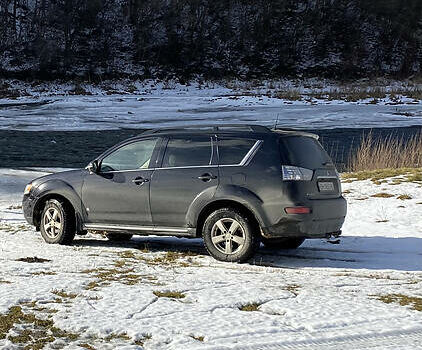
[276, 122]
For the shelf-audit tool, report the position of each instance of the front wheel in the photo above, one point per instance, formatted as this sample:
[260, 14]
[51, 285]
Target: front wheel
[282, 243]
[228, 235]
[57, 222]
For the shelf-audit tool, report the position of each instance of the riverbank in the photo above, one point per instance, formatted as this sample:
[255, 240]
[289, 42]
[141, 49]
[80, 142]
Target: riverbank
[362, 293]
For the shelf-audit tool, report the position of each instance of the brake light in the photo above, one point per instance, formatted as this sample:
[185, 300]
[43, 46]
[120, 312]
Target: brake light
[295, 173]
[298, 210]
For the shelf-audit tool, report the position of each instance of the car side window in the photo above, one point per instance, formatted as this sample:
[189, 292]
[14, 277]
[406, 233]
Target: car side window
[182, 152]
[136, 155]
[231, 151]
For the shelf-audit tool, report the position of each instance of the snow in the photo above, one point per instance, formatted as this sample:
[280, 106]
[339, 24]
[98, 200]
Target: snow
[320, 296]
[154, 104]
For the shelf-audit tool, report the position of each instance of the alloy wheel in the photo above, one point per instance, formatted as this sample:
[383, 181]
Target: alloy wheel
[53, 222]
[228, 236]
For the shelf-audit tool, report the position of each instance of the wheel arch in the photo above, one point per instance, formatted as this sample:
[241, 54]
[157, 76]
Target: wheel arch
[64, 193]
[226, 203]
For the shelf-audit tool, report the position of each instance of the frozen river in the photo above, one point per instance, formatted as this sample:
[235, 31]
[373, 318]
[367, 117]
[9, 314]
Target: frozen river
[69, 131]
[196, 107]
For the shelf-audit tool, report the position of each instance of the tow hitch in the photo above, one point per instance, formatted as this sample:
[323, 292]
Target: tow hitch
[333, 237]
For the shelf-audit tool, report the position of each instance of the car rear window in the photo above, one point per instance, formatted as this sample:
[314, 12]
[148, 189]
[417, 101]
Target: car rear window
[304, 152]
[181, 152]
[231, 151]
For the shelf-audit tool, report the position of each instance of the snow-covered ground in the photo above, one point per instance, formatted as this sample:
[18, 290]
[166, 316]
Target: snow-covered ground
[103, 295]
[152, 104]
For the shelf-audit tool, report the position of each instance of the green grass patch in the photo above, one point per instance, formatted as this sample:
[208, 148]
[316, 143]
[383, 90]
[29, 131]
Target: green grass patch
[415, 303]
[169, 294]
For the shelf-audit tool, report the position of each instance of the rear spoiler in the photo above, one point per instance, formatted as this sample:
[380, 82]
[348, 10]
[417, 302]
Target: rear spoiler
[293, 132]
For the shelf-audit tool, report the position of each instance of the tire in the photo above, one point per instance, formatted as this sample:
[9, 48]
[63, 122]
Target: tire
[58, 223]
[283, 243]
[237, 246]
[118, 237]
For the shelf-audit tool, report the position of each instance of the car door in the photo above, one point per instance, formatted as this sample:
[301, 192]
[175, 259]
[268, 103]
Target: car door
[118, 193]
[188, 172]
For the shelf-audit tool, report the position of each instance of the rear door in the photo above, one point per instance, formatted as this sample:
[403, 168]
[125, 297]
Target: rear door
[306, 152]
[188, 171]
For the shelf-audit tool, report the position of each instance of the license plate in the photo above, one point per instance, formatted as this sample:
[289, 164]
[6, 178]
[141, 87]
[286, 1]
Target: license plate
[326, 186]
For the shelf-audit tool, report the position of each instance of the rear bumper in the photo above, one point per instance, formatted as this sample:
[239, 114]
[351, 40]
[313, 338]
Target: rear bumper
[326, 218]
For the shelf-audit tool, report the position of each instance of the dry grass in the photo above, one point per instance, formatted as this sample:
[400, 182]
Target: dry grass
[404, 300]
[380, 176]
[293, 288]
[30, 331]
[404, 197]
[382, 195]
[389, 153]
[63, 294]
[249, 307]
[198, 338]
[169, 294]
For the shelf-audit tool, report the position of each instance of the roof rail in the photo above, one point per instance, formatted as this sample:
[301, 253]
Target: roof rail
[224, 127]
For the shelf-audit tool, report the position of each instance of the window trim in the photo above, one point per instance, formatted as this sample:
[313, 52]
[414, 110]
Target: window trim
[248, 156]
[154, 155]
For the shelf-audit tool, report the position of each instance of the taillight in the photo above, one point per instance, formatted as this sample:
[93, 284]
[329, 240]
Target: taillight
[295, 173]
[298, 210]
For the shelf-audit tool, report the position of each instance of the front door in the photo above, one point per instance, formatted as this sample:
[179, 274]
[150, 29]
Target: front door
[188, 171]
[119, 192]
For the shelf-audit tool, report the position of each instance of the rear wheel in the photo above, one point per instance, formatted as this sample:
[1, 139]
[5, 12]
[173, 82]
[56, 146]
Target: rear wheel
[118, 237]
[282, 243]
[228, 235]
[58, 222]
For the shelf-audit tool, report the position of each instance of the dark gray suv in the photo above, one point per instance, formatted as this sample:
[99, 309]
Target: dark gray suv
[234, 186]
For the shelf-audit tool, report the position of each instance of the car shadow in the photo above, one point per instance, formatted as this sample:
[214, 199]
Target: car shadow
[354, 252]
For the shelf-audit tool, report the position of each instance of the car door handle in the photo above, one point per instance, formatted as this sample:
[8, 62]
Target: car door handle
[139, 181]
[207, 177]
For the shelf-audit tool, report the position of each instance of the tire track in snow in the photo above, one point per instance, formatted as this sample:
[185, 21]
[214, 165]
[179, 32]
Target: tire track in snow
[411, 339]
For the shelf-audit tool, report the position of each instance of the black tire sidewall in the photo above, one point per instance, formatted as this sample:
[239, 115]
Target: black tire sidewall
[250, 238]
[68, 231]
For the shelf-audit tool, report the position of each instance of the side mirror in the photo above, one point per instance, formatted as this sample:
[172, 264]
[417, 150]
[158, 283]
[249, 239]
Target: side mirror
[92, 167]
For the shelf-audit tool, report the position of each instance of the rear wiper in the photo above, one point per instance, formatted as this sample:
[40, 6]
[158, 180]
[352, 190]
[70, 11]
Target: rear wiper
[327, 163]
